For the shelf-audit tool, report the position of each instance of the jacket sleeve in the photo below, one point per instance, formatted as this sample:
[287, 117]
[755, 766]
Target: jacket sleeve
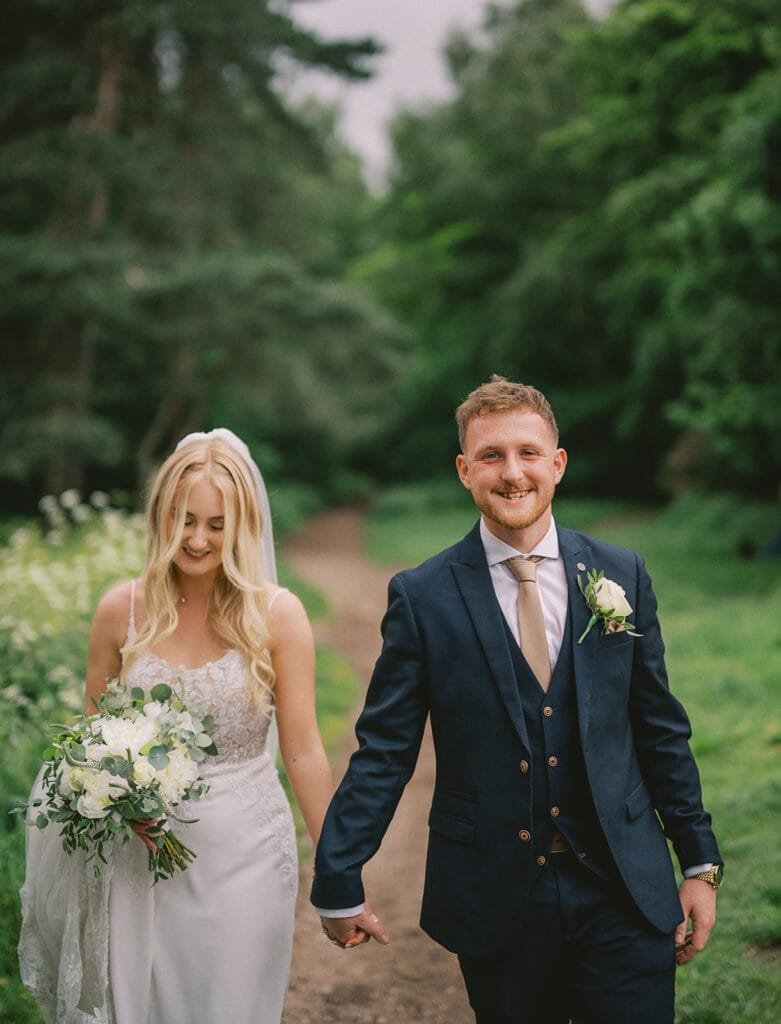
[661, 735]
[389, 732]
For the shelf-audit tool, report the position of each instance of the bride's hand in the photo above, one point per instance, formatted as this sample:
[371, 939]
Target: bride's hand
[142, 828]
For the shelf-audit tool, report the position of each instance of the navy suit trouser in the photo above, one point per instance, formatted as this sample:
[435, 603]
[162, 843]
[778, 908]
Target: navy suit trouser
[586, 955]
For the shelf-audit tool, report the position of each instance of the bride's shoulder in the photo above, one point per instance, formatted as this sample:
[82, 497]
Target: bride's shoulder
[285, 611]
[116, 605]
[278, 598]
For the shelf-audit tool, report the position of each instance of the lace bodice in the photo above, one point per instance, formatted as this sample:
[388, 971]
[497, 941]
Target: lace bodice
[219, 687]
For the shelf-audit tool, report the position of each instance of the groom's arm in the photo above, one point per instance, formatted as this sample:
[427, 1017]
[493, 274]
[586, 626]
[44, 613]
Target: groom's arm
[662, 732]
[389, 732]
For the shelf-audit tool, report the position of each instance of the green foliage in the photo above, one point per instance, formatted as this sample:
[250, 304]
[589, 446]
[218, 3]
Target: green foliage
[597, 212]
[173, 230]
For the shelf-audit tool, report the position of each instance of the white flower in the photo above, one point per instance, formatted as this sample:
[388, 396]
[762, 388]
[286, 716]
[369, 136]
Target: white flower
[70, 498]
[70, 780]
[607, 603]
[100, 789]
[143, 772]
[153, 710]
[122, 734]
[100, 499]
[177, 776]
[611, 598]
[96, 751]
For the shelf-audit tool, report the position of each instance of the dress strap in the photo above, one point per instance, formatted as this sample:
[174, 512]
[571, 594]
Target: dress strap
[275, 595]
[131, 625]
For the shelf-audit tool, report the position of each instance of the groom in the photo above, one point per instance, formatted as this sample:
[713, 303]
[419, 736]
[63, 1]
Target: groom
[562, 758]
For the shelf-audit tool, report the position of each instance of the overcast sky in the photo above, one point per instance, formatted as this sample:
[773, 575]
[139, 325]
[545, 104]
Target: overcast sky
[409, 73]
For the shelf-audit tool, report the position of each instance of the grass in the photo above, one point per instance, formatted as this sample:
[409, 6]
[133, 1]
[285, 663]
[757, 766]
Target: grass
[720, 615]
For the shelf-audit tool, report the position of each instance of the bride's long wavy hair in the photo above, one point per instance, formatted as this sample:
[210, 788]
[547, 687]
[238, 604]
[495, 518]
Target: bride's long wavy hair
[238, 602]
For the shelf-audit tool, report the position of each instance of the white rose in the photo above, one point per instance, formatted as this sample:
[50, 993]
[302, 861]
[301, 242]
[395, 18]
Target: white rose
[121, 735]
[143, 772]
[610, 597]
[70, 780]
[92, 806]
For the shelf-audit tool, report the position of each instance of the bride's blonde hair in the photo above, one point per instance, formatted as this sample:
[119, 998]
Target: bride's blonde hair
[238, 603]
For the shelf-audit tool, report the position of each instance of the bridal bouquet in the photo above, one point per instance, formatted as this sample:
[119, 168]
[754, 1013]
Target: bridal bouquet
[137, 758]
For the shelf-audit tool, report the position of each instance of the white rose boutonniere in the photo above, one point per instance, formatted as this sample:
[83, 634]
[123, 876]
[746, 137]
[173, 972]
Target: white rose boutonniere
[607, 602]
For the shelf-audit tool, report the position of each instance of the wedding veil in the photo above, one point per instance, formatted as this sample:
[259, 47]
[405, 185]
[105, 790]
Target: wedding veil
[267, 552]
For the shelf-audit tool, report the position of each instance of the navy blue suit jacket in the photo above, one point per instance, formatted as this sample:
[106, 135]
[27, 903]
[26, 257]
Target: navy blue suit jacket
[446, 655]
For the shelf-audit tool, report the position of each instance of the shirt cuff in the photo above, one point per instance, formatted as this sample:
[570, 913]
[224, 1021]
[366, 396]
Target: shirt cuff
[342, 912]
[691, 872]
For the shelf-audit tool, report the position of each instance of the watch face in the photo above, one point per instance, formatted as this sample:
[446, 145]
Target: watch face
[719, 874]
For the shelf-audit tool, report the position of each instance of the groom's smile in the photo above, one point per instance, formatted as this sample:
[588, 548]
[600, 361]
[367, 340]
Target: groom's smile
[511, 466]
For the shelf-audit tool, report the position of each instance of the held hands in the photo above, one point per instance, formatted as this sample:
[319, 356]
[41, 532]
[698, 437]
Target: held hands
[348, 932]
[698, 902]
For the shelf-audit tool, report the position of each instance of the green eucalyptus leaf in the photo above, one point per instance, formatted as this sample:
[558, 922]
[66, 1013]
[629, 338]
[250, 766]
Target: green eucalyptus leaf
[158, 757]
[161, 692]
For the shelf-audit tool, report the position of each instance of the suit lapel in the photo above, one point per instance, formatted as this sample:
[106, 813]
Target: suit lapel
[473, 580]
[575, 552]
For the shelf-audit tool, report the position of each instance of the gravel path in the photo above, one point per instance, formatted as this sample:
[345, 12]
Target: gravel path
[412, 979]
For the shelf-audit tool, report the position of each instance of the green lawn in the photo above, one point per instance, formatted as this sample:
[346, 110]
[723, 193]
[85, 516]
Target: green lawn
[721, 618]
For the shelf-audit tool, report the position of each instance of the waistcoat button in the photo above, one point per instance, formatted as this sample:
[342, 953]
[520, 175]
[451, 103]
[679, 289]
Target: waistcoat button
[547, 711]
[553, 761]
[525, 836]
[554, 812]
[524, 767]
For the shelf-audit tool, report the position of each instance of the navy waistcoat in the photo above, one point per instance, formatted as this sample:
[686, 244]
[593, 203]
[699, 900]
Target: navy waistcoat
[561, 797]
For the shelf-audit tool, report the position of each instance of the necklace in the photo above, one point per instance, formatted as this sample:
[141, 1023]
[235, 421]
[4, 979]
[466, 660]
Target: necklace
[182, 600]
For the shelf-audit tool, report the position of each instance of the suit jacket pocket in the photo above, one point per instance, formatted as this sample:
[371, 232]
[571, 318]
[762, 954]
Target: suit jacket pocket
[451, 827]
[637, 801]
[452, 815]
[614, 641]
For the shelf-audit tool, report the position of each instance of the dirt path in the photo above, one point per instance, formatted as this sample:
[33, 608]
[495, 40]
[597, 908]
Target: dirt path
[412, 979]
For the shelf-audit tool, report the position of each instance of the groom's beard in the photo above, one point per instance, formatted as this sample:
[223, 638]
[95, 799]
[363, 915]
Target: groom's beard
[529, 510]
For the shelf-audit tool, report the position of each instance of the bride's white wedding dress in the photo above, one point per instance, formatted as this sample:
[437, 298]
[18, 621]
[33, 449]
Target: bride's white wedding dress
[212, 944]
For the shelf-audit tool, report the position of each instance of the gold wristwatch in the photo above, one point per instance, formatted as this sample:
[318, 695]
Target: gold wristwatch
[713, 876]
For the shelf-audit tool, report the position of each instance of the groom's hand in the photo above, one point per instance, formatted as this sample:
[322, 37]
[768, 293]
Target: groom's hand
[353, 931]
[698, 903]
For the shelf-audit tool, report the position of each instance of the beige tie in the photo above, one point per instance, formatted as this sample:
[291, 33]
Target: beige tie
[531, 627]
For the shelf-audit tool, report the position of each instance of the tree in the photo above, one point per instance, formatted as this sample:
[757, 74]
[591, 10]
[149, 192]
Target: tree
[153, 181]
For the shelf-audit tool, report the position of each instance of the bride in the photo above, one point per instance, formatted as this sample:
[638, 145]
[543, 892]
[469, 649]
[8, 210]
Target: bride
[214, 942]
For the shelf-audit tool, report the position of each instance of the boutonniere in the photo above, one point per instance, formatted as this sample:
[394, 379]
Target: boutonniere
[607, 602]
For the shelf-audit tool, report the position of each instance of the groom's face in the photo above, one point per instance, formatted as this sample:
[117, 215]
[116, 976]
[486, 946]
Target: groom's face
[511, 466]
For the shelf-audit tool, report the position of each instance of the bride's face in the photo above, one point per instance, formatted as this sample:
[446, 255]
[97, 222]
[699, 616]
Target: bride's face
[200, 545]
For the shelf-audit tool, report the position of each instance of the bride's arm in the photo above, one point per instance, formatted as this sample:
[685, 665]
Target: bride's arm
[109, 628]
[306, 764]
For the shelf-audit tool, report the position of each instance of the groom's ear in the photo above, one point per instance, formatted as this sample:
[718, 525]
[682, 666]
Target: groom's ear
[462, 468]
[559, 464]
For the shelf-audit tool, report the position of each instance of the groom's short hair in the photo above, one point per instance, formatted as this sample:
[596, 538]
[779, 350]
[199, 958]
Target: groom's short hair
[502, 395]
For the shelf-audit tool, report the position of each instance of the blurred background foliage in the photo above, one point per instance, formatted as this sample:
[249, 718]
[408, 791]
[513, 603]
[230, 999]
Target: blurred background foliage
[596, 211]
